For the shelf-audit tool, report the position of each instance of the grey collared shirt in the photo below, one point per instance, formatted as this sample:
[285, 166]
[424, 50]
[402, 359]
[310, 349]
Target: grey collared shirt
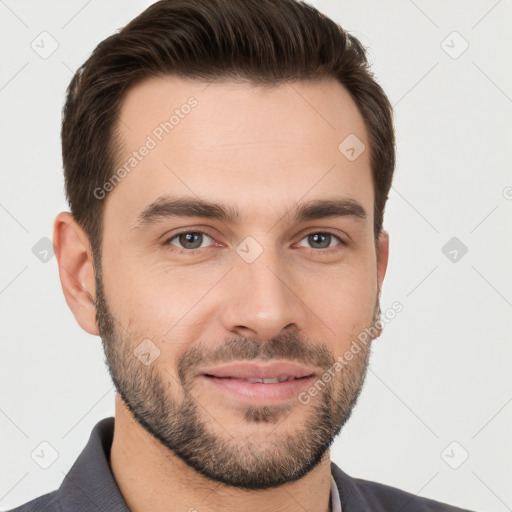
[89, 486]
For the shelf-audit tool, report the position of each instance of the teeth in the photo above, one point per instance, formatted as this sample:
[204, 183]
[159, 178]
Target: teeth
[274, 380]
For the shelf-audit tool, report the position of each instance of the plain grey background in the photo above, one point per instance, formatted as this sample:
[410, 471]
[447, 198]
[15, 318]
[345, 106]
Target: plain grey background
[435, 415]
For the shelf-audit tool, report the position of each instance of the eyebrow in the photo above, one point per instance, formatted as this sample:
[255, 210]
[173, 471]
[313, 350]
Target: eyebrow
[170, 207]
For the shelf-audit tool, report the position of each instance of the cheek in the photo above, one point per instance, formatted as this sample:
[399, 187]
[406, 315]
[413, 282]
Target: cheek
[159, 299]
[167, 302]
[344, 300]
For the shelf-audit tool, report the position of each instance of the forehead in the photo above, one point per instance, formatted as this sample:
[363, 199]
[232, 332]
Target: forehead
[239, 144]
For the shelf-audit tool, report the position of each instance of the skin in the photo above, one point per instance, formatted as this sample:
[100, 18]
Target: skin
[263, 152]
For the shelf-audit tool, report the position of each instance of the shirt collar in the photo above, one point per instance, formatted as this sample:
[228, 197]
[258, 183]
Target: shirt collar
[90, 482]
[335, 497]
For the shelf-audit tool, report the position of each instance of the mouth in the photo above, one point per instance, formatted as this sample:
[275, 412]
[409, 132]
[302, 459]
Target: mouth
[276, 371]
[259, 384]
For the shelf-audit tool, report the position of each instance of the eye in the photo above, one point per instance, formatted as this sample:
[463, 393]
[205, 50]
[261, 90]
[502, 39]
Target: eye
[188, 240]
[323, 240]
[191, 241]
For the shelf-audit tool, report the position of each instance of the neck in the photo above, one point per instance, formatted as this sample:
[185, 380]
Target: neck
[151, 477]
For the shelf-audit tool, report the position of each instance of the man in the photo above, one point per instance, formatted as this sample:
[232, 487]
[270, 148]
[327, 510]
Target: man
[227, 164]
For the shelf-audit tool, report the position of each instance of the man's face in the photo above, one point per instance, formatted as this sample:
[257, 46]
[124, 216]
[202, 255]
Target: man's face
[181, 296]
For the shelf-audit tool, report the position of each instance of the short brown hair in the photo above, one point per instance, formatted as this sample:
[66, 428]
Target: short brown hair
[265, 42]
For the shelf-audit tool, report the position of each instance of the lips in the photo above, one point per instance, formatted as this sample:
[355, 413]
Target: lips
[259, 373]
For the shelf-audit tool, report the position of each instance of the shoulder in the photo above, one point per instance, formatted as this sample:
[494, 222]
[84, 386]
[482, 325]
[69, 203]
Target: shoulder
[45, 503]
[391, 498]
[359, 494]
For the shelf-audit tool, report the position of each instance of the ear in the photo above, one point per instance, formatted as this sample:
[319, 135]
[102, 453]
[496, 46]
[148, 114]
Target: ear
[76, 271]
[382, 261]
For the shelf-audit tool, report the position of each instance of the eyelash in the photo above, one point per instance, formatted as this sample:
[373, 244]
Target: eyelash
[195, 251]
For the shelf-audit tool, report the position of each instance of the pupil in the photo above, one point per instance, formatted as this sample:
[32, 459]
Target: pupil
[187, 238]
[325, 237]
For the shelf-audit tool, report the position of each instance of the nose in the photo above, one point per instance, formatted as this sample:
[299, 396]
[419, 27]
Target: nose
[260, 300]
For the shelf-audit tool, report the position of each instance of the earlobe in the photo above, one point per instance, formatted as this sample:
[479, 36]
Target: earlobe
[76, 270]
